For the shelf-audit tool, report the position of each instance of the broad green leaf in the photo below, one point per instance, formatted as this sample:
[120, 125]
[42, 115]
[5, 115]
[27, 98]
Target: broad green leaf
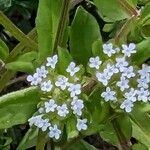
[97, 49]
[83, 32]
[17, 107]
[143, 52]
[109, 134]
[141, 124]
[71, 128]
[47, 23]
[28, 57]
[145, 11]
[111, 9]
[139, 146]
[4, 50]
[20, 66]
[145, 29]
[80, 145]
[64, 60]
[29, 140]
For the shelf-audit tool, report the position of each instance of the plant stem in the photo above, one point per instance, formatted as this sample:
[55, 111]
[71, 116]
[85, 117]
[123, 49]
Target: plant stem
[40, 141]
[62, 25]
[18, 49]
[17, 33]
[7, 75]
[124, 144]
[128, 8]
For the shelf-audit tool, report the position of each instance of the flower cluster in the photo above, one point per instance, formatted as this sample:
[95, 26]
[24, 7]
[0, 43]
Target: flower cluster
[124, 83]
[63, 98]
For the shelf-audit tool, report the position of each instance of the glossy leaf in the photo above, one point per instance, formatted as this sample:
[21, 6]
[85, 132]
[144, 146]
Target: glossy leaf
[20, 66]
[64, 60]
[71, 129]
[81, 145]
[111, 9]
[47, 23]
[27, 57]
[29, 140]
[141, 121]
[17, 107]
[83, 32]
[143, 52]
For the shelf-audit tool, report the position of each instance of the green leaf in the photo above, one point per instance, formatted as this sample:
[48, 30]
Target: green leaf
[80, 145]
[4, 50]
[143, 52]
[71, 129]
[145, 11]
[27, 57]
[97, 49]
[47, 23]
[29, 140]
[20, 66]
[17, 107]
[83, 32]
[108, 134]
[111, 9]
[64, 60]
[141, 123]
[139, 146]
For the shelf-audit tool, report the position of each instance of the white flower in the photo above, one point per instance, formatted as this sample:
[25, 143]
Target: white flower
[50, 106]
[102, 77]
[42, 72]
[77, 106]
[46, 86]
[110, 70]
[144, 72]
[46, 124]
[127, 105]
[121, 63]
[131, 95]
[143, 83]
[128, 50]
[108, 49]
[62, 82]
[128, 72]
[94, 62]
[62, 110]
[52, 61]
[34, 120]
[143, 95]
[123, 83]
[81, 124]
[109, 95]
[35, 79]
[54, 132]
[75, 89]
[72, 69]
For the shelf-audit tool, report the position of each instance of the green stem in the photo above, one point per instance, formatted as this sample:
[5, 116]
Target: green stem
[7, 75]
[124, 144]
[18, 49]
[17, 33]
[128, 8]
[62, 25]
[40, 141]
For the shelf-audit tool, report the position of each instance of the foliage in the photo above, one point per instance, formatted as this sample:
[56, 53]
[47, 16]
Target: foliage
[74, 32]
